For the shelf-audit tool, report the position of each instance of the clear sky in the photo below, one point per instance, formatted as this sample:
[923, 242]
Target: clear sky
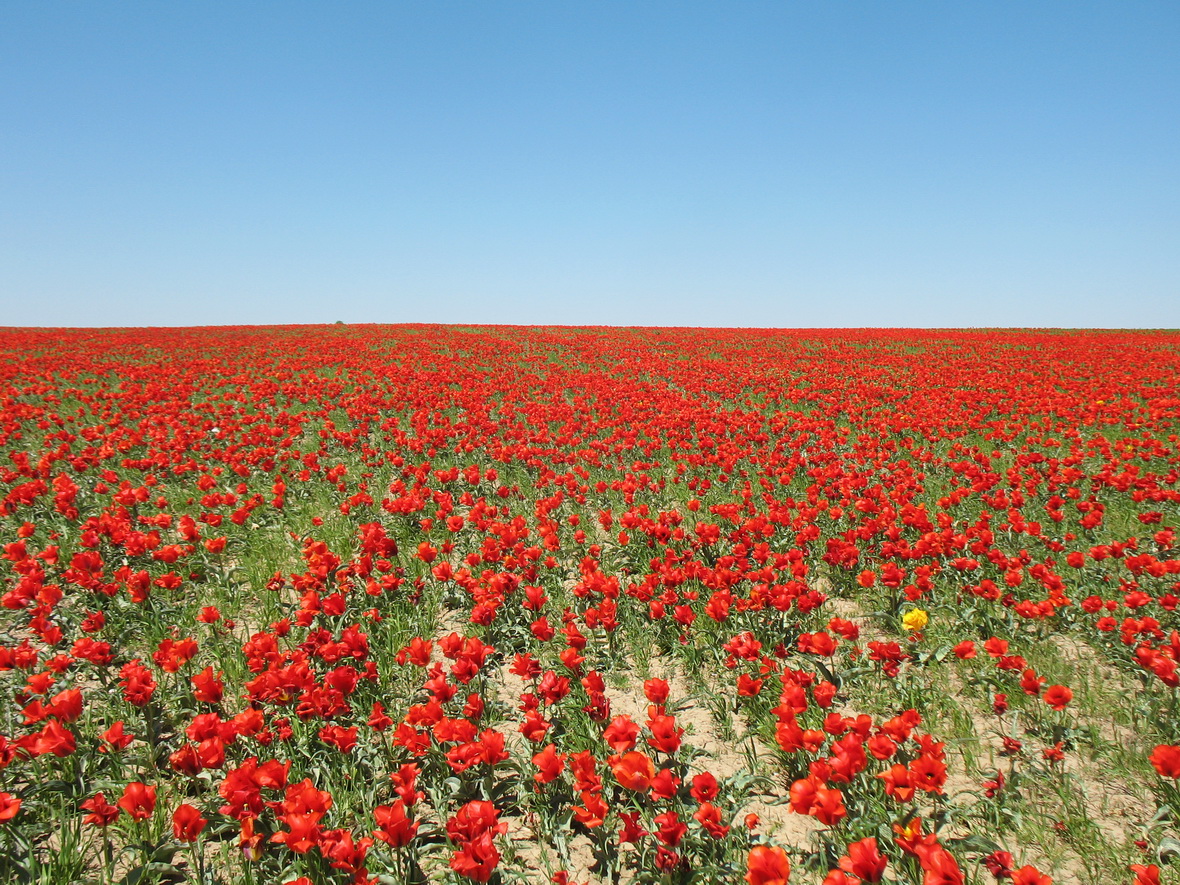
[621, 163]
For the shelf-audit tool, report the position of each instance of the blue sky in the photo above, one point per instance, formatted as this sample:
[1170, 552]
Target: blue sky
[709, 164]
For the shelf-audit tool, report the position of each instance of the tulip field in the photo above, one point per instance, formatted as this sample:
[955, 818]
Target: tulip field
[404, 604]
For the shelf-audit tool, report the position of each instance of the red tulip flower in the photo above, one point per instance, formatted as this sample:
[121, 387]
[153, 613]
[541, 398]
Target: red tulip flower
[9, 806]
[187, 823]
[139, 800]
[102, 813]
[633, 770]
[865, 861]
[1166, 760]
[768, 865]
[394, 826]
[1057, 696]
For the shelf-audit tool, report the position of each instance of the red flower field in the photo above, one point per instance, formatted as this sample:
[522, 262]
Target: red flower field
[491, 604]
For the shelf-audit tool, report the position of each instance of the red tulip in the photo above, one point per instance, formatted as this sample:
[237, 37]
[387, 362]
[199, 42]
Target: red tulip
[634, 771]
[138, 800]
[9, 806]
[1165, 758]
[187, 823]
[768, 865]
[864, 861]
[102, 813]
[394, 826]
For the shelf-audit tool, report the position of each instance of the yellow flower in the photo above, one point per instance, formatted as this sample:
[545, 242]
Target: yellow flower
[915, 619]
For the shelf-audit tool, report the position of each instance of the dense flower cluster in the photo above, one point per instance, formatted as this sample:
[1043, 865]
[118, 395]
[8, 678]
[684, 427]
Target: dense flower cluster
[427, 604]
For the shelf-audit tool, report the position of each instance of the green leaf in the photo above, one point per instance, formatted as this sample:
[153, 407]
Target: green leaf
[974, 842]
[828, 674]
[1169, 849]
[137, 874]
[165, 852]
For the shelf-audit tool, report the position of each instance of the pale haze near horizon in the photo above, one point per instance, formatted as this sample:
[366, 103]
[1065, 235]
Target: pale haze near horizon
[755, 164]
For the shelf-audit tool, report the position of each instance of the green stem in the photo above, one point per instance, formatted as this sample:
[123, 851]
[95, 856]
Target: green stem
[108, 858]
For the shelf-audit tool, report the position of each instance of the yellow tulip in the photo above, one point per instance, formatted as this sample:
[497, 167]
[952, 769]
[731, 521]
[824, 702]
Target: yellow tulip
[915, 619]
